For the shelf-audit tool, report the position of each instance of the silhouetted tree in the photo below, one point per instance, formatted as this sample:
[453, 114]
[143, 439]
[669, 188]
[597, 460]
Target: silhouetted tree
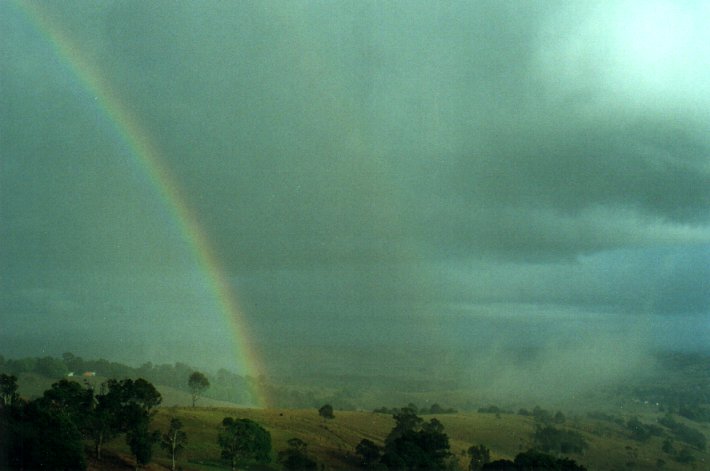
[102, 425]
[198, 383]
[42, 435]
[480, 455]
[8, 389]
[174, 440]
[405, 420]
[534, 460]
[72, 362]
[296, 456]
[559, 417]
[415, 445]
[326, 412]
[369, 452]
[244, 439]
[50, 367]
[129, 408]
[556, 440]
[141, 440]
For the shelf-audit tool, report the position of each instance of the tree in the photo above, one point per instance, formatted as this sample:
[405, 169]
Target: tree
[174, 440]
[296, 456]
[413, 444]
[369, 451]
[127, 407]
[326, 412]
[551, 439]
[198, 383]
[244, 439]
[141, 440]
[42, 436]
[8, 389]
[405, 420]
[534, 460]
[480, 455]
[71, 400]
[102, 425]
[50, 367]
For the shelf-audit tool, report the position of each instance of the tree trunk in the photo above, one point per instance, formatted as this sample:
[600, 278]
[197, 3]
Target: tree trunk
[172, 449]
[98, 442]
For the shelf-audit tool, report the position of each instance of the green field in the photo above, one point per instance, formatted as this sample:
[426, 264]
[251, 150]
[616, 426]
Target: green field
[332, 442]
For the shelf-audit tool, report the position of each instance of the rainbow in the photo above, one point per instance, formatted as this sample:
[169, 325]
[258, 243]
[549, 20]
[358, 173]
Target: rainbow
[148, 158]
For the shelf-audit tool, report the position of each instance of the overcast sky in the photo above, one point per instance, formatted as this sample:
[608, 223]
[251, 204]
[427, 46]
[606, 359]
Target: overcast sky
[368, 173]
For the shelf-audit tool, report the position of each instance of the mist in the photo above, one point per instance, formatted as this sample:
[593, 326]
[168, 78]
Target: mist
[513, 197]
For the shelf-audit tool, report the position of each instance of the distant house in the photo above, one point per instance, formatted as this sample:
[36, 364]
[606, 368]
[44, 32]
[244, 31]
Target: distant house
[71, 373]
[89, 373]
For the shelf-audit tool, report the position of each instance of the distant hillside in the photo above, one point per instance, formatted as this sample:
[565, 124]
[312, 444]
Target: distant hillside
[674, 382]
[632, 432]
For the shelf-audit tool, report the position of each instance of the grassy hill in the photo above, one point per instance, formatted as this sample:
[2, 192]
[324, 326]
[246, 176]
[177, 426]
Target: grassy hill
[612, 444]
[332, 442]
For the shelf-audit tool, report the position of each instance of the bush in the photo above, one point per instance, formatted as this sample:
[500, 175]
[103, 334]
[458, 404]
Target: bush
[684, 433]
[551, 439]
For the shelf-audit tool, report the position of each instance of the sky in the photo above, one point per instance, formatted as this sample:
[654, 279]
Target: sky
[435, 184]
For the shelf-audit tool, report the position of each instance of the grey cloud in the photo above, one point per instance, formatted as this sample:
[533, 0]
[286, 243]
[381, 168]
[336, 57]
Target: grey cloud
[379, 160]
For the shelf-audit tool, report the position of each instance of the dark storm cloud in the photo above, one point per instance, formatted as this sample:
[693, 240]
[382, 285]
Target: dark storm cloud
[366, 159]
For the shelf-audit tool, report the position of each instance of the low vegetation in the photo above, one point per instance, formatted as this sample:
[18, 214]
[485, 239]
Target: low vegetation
[98, 423]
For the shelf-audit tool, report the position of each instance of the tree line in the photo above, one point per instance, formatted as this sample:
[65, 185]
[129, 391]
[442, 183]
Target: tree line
[224, 384]
[51, 432]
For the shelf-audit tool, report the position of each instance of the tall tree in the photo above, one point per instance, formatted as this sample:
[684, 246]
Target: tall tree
[141, 440]
[174, 440]
[130, 407]
[405, 420]
[8, 389]
[42, 435]
[244, 440]
[198, 383]
[480, 455]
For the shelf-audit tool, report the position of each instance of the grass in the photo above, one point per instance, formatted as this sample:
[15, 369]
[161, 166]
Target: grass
[332, 442]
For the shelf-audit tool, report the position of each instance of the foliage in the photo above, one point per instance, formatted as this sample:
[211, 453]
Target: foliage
[40, 436]
[433, 409]
[369, 452]
[51, 367]
[492, 410]
[545, 417]
[413, 444]
[557, 440]
[127, 407]
[174, 440]
[437, 409]
[227, 386]
[244, 440]
[8, 389]
[642, 432]
[684, 433]
[534, 460]
[326, 412]
[141, 440]
[296, 456]
[405, 420]
[480, 455]
[198, 383]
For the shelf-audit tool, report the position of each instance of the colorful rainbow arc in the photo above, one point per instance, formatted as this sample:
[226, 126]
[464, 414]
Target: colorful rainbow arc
[148, 158]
